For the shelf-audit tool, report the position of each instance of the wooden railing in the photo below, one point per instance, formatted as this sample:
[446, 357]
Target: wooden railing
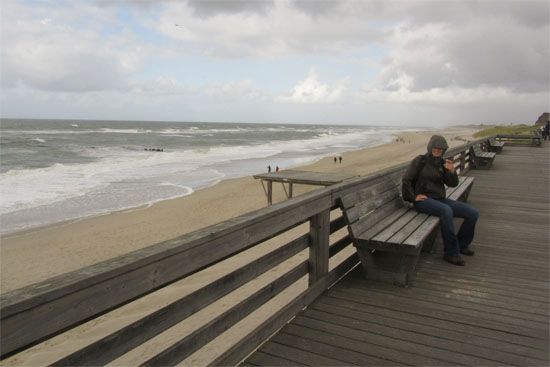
[535, 139]
[38, 312]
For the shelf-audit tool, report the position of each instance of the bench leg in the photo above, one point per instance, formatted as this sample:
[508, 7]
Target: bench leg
[464, 197]
[390, 267]
[483, 163]
[428, 245]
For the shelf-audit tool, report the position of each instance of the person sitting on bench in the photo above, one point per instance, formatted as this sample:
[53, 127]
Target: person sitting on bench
[424, 185]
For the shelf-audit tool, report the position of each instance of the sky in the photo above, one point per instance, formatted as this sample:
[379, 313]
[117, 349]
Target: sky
[372, 62]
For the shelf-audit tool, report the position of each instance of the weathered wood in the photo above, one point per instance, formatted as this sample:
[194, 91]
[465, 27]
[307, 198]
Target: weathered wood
[315, 349]
[409, 228]
[319, 232]
[242, 348]
[299, 355]
[359, 228]
[27, 315]
[370, 191]
[534, 140]
[117, 343]
[337, 224]
[493, 311]
[264, 359]
[269, 192]
[185, 347]
[481, 160]
[383, 218]
[422, 232]
[380, 345]
[495, 146]
[304, 177]
[395, 227]
[47, 308]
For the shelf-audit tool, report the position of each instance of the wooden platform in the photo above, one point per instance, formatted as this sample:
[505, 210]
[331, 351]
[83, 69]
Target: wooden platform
[292, 177]
[494, 311]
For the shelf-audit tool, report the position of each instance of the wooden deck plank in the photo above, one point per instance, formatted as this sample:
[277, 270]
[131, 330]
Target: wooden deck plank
[354, 340]
[450, 351]
[264, 359]
[297, 354]
[348, 307]
[330, 353]
[493, 311]
[325, 310]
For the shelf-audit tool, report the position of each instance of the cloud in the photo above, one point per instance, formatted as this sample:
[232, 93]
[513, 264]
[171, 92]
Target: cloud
[65, 51]
[280, 31]
[243, 88]
[438, 56]
[451, 55]
[311, 91]
[212, 7]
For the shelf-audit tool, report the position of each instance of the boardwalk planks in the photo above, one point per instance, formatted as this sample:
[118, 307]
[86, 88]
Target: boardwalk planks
[493, 311]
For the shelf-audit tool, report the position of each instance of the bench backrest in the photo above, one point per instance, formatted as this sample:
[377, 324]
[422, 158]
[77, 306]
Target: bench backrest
[477, 150]
[368, 205]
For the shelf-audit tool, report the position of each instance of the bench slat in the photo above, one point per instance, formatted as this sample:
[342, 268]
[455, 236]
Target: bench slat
[422, 231]
[378, 227]
[350, 200]
[365, 223]
[463, 187]
[377, 200]
[395, 227]
[412, 226]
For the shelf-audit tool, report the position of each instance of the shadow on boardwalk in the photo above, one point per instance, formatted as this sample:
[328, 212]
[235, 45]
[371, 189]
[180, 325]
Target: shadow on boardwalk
[493, 311]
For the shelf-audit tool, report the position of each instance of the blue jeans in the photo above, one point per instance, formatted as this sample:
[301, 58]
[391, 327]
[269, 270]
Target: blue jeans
[446, 209]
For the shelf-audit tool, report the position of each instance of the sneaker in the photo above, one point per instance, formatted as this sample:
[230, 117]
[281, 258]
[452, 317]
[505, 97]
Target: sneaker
[455, 260]
[466, 251]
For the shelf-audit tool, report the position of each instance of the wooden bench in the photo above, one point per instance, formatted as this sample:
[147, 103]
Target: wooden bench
[387, 233]
[495, 146]
[481, 159]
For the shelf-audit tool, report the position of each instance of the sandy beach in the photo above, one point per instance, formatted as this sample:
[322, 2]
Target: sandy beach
[68, 246]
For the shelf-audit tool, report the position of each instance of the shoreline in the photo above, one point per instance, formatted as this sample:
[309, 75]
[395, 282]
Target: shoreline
[65, 246]
[307, 160]
[23, 231]
[58, 249]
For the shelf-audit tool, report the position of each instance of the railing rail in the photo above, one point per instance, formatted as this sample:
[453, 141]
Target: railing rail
[40, 311]
[534, 139]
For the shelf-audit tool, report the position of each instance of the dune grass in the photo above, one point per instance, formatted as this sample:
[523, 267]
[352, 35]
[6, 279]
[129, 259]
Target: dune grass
[507, 130]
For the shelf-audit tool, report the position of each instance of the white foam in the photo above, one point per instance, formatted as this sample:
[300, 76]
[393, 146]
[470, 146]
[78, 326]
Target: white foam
[141, 177]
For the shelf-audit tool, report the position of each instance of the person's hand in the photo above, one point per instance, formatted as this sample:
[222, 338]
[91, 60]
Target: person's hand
[420, 197]
[449, 165]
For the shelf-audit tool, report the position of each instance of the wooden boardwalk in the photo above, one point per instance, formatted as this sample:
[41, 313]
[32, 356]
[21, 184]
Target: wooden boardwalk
[494, 311]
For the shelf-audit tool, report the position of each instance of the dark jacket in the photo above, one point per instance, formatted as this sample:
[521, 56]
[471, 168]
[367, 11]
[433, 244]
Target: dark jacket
[426, 174]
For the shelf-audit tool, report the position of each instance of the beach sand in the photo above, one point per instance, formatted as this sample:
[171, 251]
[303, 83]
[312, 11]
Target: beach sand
[68, 246]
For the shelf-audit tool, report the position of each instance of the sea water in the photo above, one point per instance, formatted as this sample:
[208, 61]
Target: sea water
[55, 170]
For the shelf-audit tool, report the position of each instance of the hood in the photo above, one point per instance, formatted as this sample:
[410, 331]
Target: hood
[437, 141]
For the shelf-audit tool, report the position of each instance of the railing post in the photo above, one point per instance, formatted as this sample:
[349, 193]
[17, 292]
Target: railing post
[319, 232]
[462, 162]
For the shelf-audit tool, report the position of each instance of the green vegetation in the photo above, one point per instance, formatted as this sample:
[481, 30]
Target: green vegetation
[507, 130]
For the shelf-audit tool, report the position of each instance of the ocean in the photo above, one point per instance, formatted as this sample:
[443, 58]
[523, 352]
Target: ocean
[56, 170]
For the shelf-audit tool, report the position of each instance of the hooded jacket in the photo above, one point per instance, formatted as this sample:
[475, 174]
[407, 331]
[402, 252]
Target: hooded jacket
[426, 174]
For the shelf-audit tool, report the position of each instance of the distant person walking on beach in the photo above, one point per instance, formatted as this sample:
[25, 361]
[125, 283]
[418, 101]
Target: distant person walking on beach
[335, 159]
[340, 159]
[546, 135]
[276, 168]
[424, 186]
[269, 169]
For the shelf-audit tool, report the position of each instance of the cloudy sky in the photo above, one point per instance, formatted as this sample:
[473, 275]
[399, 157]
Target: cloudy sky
[399, 62]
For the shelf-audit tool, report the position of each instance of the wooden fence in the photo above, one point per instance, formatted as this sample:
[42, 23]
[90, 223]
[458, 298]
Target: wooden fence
[36, 313]
[534, 140]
